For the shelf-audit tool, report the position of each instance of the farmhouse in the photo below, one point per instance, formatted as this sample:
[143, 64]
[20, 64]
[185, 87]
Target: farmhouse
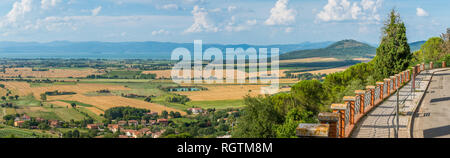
[144, 122]
[196, 110]
[133, 122]
[151, 122]
[18, 123]
[113, 127]
[54, 123]
[152, 113]
[163, 121]
[25, 117]
[94, 126]
[122, 123]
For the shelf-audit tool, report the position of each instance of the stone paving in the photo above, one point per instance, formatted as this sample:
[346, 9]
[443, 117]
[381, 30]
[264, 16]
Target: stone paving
[381, 122]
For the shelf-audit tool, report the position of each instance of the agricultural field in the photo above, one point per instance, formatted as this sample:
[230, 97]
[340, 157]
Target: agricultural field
[49, 73]
[109, 83]
[10, 132]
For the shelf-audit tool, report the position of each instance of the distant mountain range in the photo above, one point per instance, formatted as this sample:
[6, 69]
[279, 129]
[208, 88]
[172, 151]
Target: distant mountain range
[415, 46]
[162, 50]
[138, 50]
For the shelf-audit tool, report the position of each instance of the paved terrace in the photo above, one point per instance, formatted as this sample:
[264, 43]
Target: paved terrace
[372, 112]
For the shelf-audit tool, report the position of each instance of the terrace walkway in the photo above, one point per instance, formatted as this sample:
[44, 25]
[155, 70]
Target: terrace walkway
[381, 122]
[372, 112]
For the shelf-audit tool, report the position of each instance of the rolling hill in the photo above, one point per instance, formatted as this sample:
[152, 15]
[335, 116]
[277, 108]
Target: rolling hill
[416, 45]
[345, 49]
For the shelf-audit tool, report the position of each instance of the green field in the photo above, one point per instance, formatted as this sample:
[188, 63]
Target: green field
[51, 84]
[8, 132]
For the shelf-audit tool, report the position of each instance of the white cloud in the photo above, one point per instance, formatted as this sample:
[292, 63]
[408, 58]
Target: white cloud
[421, 12]
[96, 11]
[280, 14]
[231, 8]
[201, 21]
[233, 26]
[170, 7]
[19, 10]
[46, 4]
[160, 32]
[340, 10]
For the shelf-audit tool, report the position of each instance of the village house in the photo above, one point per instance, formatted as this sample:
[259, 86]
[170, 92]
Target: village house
[122, 123]
[163, 121]
[94, 126]
[144, 122]
[133, 122]
[25, 117]
[145, 131]
[54, 123]
[113, 127]
[18, 123]
[196, 110]
[38, 119]
[132, 133]
[152, 113]
[151, 122]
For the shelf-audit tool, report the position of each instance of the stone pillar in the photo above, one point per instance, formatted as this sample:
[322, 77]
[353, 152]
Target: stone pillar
[388, 86]
[372, 93]
[313, 130]
[423, 66]
[340, 110]
[361, 94]
[431, 65]
[398, 81]
[351, 101]
[332, 120]
[444, 64]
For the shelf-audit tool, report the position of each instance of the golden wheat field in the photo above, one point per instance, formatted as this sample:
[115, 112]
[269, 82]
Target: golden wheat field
[225, 92]
[167, 73]
[324, 71]
[309, 60]
[52, 73]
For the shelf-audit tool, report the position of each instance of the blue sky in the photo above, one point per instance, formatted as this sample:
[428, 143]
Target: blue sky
[216, 21]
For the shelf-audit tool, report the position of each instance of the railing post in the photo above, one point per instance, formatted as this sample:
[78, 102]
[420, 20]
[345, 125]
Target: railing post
[361, 94]
[372, 93]
[388, 86]
[431, 65]
[381, 85]
[332, 120]
[351, 100]
[423, 66]
[340, 110]
[419, 68]
[394, 84]
[413, 77]
[444, 64]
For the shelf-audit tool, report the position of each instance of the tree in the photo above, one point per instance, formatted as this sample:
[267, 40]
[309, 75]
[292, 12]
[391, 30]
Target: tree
[164, 114]
[3, 98]
[73, 105]
[309, 94]
[393, 54]
[17, 97]
[446, 42]
[293, 118]
[431, 50]
[43, 97]
[259, 119]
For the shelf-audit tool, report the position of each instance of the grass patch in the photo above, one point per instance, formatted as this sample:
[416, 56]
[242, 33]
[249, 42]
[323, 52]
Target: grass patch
[218, 104]
[77, 103]
[7, 132]
[183, 120]
[51, 84]
[94, 116]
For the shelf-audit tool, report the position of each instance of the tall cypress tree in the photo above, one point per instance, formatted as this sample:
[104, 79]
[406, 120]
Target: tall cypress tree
[393, 54]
